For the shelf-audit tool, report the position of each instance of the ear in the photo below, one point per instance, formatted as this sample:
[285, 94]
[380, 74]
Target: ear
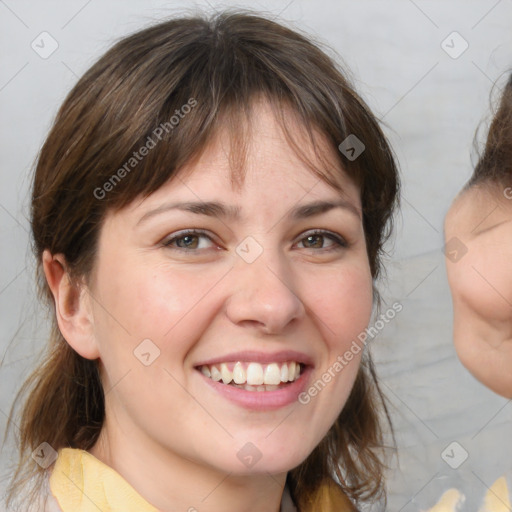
[72, 306]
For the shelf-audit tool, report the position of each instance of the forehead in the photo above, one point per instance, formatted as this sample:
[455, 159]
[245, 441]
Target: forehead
[260, 153]
[477, 209]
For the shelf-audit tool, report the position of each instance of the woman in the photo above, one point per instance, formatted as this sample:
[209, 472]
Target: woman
[479, 250]
[209, 254]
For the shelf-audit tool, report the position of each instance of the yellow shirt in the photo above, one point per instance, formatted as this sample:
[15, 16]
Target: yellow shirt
[497, 499]
[81, 483]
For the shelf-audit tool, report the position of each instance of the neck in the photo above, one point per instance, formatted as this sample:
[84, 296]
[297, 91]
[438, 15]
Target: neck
[170, 482]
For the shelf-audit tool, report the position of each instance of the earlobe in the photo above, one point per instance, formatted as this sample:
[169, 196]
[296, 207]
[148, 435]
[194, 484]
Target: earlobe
[72, 306]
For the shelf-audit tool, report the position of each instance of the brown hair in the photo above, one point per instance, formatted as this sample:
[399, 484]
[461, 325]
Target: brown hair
[494, 167]
[218, 66]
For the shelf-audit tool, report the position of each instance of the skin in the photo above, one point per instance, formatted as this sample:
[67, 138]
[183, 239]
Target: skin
[481, 284]
[170, 435]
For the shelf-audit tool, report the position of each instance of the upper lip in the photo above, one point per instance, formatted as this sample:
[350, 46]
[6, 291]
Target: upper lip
[253, 356]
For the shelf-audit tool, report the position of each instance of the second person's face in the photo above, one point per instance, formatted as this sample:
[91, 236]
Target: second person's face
[478, 232]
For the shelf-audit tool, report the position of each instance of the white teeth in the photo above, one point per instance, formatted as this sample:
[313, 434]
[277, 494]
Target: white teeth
[291, 371]
[216, 375]
[254, 374]
[272, 374]
[284, 373]
[264, 387]
[227, 376]
[239, 375]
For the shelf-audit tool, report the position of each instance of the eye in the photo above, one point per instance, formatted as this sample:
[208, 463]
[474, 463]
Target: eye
[192, 240]
[189, 240]
[316, 240]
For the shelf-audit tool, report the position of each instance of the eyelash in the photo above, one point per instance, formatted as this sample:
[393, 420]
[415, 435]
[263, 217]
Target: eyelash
[340, 242]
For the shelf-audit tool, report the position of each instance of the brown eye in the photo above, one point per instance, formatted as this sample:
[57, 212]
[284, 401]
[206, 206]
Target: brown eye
[188, 241]
[317, 240]
[314, 241]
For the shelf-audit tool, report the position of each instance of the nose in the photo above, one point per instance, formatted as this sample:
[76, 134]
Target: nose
[263, 294]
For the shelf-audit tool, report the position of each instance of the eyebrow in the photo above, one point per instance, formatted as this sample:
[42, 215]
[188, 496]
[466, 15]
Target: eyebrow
[220, 210]
[490, 228]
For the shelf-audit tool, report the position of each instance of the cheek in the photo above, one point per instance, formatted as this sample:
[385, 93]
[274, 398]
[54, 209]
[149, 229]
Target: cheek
[342, 302]
[150, 302]
[481, 284]
[150, 315]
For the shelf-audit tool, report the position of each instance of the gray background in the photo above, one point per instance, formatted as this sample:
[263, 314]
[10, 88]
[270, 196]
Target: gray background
[431, 105]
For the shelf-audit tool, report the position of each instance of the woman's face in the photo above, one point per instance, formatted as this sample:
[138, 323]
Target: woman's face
[478, 231]
[277, 277]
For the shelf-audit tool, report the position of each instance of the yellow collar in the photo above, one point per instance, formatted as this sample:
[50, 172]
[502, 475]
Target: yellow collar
[496, 499]
[328, 498]
[82, 483]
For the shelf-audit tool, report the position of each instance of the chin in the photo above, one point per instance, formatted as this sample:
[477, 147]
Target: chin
[251, 460]
[267, 467]
[495, 380]
[501, 387]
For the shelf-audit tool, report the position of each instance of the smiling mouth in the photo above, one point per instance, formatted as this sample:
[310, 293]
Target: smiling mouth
[254, 376]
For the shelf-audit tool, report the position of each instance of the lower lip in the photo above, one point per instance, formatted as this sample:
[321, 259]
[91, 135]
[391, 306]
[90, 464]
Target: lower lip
[262, 400]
